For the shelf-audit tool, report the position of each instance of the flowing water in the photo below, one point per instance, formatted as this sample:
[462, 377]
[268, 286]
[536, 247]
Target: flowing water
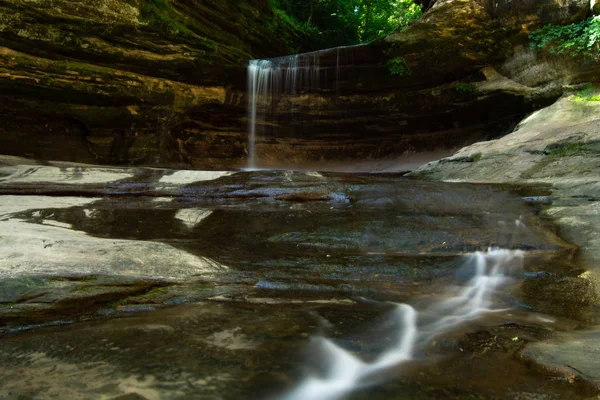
[341, 371]
[163, 284]
[272, 78]
[414, 329]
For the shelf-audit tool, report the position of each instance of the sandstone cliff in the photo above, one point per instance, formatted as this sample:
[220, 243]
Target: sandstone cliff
[109, 81]
[163, 83]
[465, 72]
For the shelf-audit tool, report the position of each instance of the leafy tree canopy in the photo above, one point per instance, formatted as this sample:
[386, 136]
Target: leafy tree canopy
[346, 22]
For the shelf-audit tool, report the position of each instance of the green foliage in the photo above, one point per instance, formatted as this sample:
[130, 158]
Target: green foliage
[163, 17]
[562, 150]
[159, 14]
[380, 17]
[579, 39]
[302, 26]
[476, 157]
[464, 87]
[398, 66]
[345, 22]
[588, 94]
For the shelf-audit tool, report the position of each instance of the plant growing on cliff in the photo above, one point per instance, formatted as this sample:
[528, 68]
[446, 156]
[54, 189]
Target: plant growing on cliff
[159, 14]
[164, 18]
[464, 87]
[588, 94]
[579, 39]
[564, 149]
[398, 66]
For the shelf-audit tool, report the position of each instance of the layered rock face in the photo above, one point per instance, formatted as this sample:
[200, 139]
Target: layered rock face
[159, 82]
[131, 81]
[463, 73]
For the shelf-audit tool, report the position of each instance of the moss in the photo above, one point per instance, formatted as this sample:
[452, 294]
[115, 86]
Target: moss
[86, 289]
[162, 16]
[590, 93]
[562, 150]
[537, 168]
[464, 87]
[62, 66]
[555, 152]
[398, 66]
[159, 14]
[143, 148]
[150, 295]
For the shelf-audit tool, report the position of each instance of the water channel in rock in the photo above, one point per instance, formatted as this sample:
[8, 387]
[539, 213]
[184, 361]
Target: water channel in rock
[345, 372]
[123, 283]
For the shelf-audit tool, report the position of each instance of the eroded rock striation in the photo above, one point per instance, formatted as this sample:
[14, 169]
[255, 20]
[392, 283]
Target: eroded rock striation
[126, 81]
[465, 72]
[163, 82]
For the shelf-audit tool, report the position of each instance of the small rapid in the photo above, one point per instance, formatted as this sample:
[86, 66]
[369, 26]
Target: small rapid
[346, 372]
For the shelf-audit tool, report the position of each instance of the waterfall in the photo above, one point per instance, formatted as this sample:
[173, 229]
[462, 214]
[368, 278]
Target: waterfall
[270, 79]
[346, 372]
[259, 85]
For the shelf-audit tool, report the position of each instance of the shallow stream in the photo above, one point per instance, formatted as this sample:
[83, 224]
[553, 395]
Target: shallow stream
[161, 284]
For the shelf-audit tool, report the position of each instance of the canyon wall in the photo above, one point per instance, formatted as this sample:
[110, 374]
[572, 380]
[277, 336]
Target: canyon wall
[157, 82]
[465, 72]
[126, 81]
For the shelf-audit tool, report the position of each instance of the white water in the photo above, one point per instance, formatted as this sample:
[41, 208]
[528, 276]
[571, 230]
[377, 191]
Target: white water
[346, 372]
[269, 79]
[259, 87]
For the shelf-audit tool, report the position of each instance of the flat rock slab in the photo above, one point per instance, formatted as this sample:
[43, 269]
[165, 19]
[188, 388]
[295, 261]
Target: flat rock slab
[201, 351]
[573, 355]
[144, 283]
[70, 233]
[53, 248]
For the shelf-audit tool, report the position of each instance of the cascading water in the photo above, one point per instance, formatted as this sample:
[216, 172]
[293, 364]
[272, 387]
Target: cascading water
[270, 79]
[259, 85]
[347, 372]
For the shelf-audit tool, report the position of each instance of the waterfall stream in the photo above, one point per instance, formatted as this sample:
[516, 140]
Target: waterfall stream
[270, 79]
[346, 372]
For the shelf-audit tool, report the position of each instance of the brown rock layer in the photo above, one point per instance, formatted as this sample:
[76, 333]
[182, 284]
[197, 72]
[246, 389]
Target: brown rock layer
[462, 74]
[160, 82]
[109, 81]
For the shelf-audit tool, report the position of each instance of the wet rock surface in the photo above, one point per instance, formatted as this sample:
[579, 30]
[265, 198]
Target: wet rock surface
[571, 355]
[154, 283]
[558, 146]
